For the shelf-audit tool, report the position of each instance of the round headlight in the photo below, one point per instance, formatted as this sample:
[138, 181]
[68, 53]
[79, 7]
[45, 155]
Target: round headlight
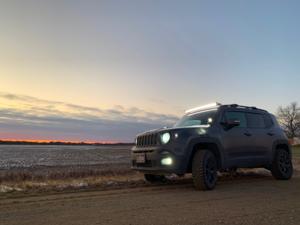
[165, 138]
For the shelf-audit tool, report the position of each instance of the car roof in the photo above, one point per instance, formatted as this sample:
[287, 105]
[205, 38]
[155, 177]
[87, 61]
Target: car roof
[217, 106]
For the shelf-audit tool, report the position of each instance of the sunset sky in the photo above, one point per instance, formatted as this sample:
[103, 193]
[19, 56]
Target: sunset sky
[106, 70]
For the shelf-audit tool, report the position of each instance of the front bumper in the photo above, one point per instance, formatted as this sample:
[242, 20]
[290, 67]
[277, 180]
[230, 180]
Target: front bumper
[153, 157]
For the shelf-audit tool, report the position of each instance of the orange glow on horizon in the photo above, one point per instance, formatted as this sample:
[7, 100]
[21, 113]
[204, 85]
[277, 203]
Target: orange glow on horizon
[61, 141]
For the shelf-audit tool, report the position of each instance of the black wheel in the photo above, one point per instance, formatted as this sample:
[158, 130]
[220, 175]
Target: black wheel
[204, 170]
[282, 167]
[153, 178]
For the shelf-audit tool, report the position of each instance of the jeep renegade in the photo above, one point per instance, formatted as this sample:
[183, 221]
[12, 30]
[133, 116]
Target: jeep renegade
[214, 138]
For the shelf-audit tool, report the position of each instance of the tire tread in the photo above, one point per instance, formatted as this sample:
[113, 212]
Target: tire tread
[198, 170]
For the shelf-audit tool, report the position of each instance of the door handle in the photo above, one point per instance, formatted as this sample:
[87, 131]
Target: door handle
[270, 133]
[247, 134]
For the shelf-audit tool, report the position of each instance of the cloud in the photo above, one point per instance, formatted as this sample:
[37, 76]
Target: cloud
[27, 117]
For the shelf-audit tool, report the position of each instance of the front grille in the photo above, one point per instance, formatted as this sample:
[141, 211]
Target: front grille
[147, 140]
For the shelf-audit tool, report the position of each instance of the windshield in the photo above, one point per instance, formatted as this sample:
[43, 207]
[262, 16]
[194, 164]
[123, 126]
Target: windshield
[204, 118]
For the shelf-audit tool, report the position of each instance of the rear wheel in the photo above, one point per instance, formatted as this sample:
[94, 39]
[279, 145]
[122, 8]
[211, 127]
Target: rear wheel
[204, 170]
[153, 178]
[282, 167]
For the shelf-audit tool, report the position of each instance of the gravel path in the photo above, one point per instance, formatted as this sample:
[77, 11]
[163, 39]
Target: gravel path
[246, 202]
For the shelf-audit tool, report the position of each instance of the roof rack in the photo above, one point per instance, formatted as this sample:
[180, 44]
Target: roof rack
[244, 107]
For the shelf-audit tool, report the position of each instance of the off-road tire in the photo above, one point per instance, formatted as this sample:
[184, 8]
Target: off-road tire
[153, 178]
[282, 167]
[204, 170]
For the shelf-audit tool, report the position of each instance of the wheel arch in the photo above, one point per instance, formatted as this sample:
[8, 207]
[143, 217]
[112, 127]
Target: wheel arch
[281, 144]
[210, 145]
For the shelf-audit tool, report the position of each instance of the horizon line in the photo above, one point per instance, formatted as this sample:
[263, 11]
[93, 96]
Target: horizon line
[40, 141]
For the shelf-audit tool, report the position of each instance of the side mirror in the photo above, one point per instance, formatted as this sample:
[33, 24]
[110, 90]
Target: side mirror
[230, 124]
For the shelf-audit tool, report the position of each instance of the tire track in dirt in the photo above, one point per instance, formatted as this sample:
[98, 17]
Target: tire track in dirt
[242, 201]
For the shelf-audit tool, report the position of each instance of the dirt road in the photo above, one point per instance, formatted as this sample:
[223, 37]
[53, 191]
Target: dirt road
[250, 200]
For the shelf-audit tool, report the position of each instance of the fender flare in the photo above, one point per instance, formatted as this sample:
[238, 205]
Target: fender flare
[192, 142]
[280, 142]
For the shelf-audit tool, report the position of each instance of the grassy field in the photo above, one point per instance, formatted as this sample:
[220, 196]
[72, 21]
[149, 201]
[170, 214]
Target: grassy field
[81, 176]
[296, 151]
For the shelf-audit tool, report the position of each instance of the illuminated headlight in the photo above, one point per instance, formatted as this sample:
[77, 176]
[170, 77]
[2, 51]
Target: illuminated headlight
[165, 138]
[167, 161]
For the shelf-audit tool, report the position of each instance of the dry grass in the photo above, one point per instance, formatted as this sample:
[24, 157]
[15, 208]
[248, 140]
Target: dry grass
[104, 182]
[80, 177]
[62, 173]
[62, 178]
[296, 151]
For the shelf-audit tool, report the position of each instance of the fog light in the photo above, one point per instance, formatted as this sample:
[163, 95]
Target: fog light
[167, 161]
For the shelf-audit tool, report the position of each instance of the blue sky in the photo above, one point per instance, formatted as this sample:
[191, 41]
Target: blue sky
[160, 57]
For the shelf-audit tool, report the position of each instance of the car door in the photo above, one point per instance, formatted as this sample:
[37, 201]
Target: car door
[262, 136]
[237, 140]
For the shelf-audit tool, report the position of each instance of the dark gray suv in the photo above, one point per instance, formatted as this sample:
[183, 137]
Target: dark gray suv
[214, 138]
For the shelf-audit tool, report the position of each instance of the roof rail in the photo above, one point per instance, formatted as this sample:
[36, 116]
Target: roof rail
[245, 107]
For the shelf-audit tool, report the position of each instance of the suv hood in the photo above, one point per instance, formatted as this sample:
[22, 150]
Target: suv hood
[174, 129]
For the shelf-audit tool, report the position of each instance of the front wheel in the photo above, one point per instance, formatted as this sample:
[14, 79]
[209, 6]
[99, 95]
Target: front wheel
[204, 170]
[282, 167]
[152, 178]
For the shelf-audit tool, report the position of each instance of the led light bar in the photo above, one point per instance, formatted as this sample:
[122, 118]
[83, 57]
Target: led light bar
[204, 107]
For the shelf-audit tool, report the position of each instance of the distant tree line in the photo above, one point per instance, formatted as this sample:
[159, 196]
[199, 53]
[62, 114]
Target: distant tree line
[289, 119]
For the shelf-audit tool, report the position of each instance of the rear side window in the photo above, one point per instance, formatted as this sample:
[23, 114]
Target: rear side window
[240, 116]
[255, 120]
[268, 121]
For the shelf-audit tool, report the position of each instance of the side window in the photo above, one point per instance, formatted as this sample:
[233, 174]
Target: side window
[240, 116]
[268, 121]
[255, 120]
